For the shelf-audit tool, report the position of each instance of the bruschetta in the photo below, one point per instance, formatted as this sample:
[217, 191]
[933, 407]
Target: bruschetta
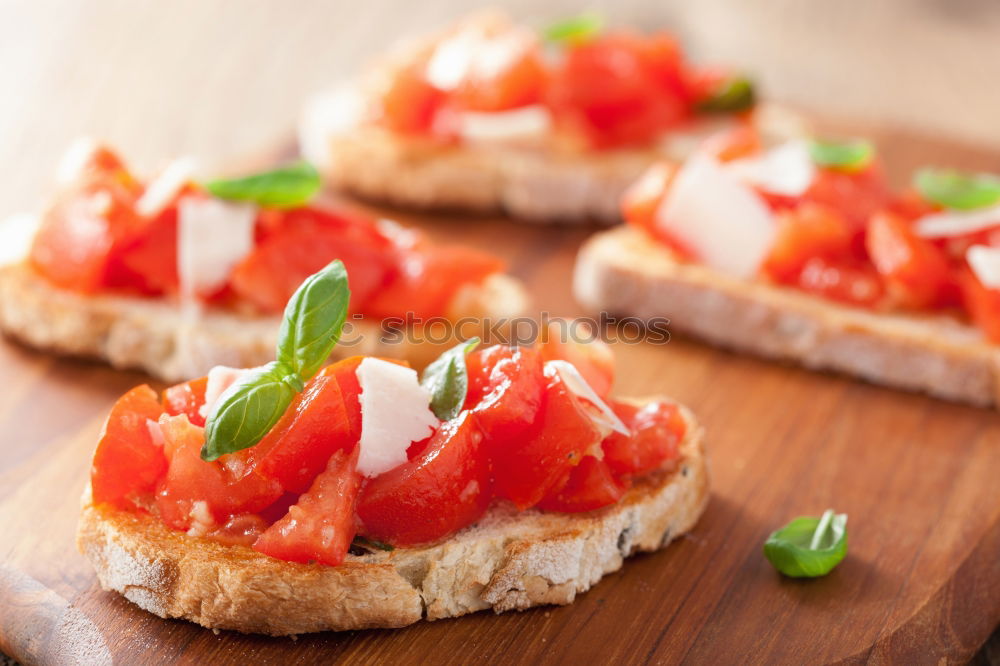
[803, 252]
[551, 125]
[173, 277]
[288, 499]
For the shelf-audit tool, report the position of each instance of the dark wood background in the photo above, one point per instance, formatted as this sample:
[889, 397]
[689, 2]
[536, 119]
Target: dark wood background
[919, 478]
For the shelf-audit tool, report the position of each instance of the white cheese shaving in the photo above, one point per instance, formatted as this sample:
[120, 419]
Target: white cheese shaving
[525, 123]
[16, 234]
[603, 415]
[957, 222]
[220, 378]
[165, 187]
[472, 52]
[723, 221]
[75, 159]
[212, 236]
[985, 263]
[395, 412]
[787, 169]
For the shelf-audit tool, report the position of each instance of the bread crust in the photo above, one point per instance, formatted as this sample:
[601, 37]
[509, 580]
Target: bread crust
[153, 334]
[624, 272]
[509, 560]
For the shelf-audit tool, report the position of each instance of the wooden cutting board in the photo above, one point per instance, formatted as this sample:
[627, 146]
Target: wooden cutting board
[919, 479]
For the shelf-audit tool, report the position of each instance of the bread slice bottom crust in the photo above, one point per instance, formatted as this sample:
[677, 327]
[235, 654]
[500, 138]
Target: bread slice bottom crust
[509, 560]
[626, 273]
[153, 334]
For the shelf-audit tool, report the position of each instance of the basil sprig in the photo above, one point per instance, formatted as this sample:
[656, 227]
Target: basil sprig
[447, 380]
[575, 30]
[734, 94]
[955, 189]
[313, 320]
[808, 547]
[842, 155]
[285, 187]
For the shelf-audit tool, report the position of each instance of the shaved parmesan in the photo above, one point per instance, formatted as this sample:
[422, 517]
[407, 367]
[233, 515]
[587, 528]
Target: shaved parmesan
[212, 236]
[165, 188]
[16, 235]
[722, 220]
[957, 222]
[603, 415]
[787, 169]
[395, 412]
[75, 159]
[525, 123]
[985, 263]
[220, 378]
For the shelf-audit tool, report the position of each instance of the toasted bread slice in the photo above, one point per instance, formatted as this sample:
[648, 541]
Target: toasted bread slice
[542, 181]
[626, 273]
[155, 335]
[508, 560]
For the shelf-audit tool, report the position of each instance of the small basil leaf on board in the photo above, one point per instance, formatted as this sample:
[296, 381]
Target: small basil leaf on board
[734, 94]
[314, 319]
[808, 547]
[842, 155]
[247, 410]
[285, 187]
[447, 380]
[958, 190]
[575, 30]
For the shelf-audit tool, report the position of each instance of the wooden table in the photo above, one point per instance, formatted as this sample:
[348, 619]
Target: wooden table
[920, 479]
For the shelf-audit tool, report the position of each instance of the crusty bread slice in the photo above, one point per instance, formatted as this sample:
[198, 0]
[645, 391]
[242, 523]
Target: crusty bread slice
[156, 336]
[508, 560]
[625, 273]
[543, 181]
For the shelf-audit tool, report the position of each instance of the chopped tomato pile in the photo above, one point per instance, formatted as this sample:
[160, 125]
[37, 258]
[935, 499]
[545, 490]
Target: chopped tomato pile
[99, 236]
[846, 236]
[525, 435]
[617, 88]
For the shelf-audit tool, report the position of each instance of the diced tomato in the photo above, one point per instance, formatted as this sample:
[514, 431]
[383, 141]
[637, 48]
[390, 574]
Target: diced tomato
[657, 429]
[314, 427]
[437, 493]
[409, 101]
[320, 526]
[591, 485]
[563, 340]
[857, 195]
[187, 398]
[847, 282]
[189, 479]
[529, 468]
[505, 392]
[128, 462]
[306, 241]
[241, 530]
[982, 304]
[741, 140]
[914, 270]
[148, 260]
[643, 198]
[811, 230]
[518, 82]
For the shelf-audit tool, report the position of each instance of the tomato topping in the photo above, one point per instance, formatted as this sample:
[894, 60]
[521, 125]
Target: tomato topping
[320, 526]
[440, 491]
[188, 399]
[915, 271]
[505, 392]
[148, 260]
[856, 195]
[591, 485]
[657, 429]
[190, 480]
[128, 462]
[592, 357]
[851, 283]
[241, 530]
[530, 467]
[982, 304]
[809, 231]
[643, 198]
[517, 80]
[408, 102]
[742, 140]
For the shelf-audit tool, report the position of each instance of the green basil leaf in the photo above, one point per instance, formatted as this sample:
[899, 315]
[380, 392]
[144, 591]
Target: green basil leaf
[844, 156]
[955, 189]
[735, 94]
[447, 380]
[575, 30]
[286, 187]
[314, 319]
[247, 410]
[808, 547]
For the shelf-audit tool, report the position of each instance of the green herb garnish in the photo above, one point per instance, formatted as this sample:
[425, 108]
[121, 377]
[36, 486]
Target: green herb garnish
[576, 30]
[286, 187]
[447, 380]
[808, 547]
[955, 189]
[735, 94]
[370, 544]
[313, 321]
[843, 156]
